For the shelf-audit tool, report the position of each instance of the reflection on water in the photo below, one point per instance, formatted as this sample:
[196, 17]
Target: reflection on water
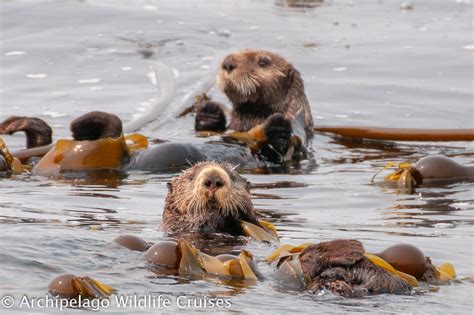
[431, 207]
[299, 3]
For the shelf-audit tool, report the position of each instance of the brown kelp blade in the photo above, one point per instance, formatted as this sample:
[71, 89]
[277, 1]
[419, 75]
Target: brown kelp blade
[190, 263]
[399, 134]
[269, 227]
[91, 288]
[213, 265]
[395, 176]
[376, 260]
[249, 269]
[13, 164]
[234, 268]
[447, 273]
[136, 142]
[72, 155]
[259, 233]
[254, 138]
[285, 250]
[195, 263]
[290, 273]
[406, 181]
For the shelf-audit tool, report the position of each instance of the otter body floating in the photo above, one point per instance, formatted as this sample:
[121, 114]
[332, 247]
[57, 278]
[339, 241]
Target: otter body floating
[400, 134]
[343, 267]
[266, 90]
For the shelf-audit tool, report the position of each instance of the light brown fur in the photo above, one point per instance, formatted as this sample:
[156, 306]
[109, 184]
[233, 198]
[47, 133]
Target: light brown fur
[262, 83]
[341, 267]
[191, 206]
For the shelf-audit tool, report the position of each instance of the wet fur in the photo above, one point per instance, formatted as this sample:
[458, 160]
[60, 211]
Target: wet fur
[341, 267]
[188, 209]
[96, 125]
[257, 91]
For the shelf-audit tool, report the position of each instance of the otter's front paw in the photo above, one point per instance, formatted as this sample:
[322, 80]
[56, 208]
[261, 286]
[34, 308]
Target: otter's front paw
[278, 132]
[210, 117]
[38, 132]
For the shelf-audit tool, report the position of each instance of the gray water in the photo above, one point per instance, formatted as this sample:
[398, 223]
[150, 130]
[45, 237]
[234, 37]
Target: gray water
[369, 63]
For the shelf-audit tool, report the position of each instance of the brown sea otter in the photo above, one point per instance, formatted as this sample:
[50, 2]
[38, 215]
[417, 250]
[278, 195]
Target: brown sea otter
[341, 267]
[98, 143]
[211, 197]
[344, 268]
[265, 90]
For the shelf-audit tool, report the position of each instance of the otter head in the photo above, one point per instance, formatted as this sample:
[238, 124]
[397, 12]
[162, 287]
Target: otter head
[210, 188]
[256, 77]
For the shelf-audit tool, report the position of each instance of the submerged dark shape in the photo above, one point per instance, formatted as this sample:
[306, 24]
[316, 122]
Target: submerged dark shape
[341, 267]
[267, 91]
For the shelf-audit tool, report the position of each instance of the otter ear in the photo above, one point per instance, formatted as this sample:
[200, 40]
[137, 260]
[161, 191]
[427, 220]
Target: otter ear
[289, 74]
[248, 185]
[170, 187]
[293, 75]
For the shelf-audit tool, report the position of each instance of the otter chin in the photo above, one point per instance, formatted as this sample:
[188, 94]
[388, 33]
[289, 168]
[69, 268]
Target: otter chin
[209, 197]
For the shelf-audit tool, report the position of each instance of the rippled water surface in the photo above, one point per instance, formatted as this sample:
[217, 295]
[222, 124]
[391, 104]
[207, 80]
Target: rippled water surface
[369, 63]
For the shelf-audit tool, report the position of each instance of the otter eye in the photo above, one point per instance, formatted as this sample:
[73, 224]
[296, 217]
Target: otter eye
[263, 61]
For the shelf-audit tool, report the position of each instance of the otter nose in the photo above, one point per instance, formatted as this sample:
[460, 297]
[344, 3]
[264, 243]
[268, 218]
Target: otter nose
[214, 182]
[229, 64]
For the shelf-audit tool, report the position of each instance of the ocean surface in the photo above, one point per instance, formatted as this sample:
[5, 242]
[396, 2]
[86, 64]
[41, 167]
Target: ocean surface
[372, 63]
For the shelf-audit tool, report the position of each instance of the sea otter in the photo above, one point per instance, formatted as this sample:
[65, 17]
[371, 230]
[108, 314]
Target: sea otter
[264, 90]
[345, 268]
[98, 142]
[209, 197]
[341, 267]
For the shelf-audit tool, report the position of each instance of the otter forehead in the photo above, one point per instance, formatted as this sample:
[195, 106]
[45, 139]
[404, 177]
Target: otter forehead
[254, 56]
[200, 169]
[253, 61]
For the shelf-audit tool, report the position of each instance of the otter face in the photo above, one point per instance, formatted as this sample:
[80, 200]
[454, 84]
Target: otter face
[255, 76]
[211, 188]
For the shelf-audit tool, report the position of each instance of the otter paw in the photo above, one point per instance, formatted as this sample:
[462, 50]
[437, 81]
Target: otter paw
[278, 132]
[210, 117]
[96, 125]
[38, 132]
